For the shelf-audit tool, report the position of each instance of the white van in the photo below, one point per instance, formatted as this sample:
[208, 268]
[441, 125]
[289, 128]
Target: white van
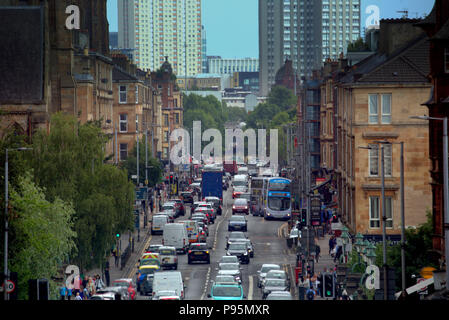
[158, 223]
[240, 180]
[168, 281]
[192, 230]
[168, 257]
[175, 235]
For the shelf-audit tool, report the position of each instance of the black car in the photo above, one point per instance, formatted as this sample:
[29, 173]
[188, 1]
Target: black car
[237, 223]
[187, 197]
[198, 252]
[235, 236]
[240, 250]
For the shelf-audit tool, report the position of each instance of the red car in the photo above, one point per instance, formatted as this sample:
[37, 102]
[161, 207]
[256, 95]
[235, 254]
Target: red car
[126, 283]
[179, 206]
[240, 206]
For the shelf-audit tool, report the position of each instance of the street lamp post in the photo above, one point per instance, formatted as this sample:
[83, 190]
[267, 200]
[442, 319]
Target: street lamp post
[5, 265]
[445, 189]
[384, 218]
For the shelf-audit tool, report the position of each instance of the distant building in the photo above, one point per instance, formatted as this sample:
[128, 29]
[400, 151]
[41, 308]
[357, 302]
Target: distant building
[229, 66]
[160, 28]
[307, 32]
[249, 81]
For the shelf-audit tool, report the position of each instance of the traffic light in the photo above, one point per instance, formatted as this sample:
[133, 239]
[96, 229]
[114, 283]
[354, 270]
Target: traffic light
[303, 217]
[171, 179]
[117, 235]
[321, 285]
[329, 285]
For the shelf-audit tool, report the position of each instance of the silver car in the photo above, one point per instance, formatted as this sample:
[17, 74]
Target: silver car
[230, 269]
[271, 285]
[279, 295]
[264, 270]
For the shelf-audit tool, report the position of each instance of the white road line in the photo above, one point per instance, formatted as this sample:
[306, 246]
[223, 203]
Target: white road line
[250, 288]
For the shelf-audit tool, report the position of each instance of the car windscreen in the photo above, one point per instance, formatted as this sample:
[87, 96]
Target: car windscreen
[238, 218]
[276, 275]
[167, 252]
[229, 266]
[274, 283]
[240, 202]
[120, 284]
[268, 268]
[279, 203]
[239, 183]
[237, 246]
[226, 291]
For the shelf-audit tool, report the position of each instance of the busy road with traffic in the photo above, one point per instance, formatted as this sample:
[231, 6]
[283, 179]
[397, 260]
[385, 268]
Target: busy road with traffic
[220, 256]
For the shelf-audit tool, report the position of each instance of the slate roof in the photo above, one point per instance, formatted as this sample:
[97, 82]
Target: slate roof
[118, 74]
[409, 64]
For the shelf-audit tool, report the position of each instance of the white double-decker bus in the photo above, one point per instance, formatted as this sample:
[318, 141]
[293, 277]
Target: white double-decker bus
[277, 198]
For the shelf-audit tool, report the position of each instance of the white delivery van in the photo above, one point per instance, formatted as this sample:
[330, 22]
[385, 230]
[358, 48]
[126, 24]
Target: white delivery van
[240, 180]
[168, 257]
[175, 235]
[158, 223]
[192, 230]
[168, 281]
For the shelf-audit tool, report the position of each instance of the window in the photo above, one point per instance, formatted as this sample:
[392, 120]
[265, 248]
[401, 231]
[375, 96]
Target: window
[375, 165]
[374, 218]
[446, 60]
[385, 108]
[123, 123]
[137, 94]
[373, 110]
[123, 151]
[166, 120]
[373, 160]
[389, 212]
[177, 118]
[166, 136]
[122, 94]
[165, 152]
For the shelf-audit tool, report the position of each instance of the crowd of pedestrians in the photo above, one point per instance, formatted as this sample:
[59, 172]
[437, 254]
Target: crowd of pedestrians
[81, 288]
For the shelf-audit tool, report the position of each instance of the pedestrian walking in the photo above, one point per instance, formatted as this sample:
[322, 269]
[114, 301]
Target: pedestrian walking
[99, 284]
[77, 285]
[63, 291]
[317, 252]
[331, 244]
[310, 294]
[301, 288]
[115, 254]
[338, 253]
[69, 293]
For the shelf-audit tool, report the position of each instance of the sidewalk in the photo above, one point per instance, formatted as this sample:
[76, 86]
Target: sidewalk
[325, 261]
[117, 272]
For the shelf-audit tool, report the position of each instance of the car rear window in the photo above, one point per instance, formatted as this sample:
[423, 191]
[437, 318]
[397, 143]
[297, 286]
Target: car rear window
[240, 202]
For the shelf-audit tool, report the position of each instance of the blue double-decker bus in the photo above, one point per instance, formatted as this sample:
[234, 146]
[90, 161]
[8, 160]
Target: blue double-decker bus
[277, 198]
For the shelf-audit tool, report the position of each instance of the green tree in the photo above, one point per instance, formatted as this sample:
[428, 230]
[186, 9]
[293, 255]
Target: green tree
[283, 97]
[69, 163]
[130, 164]
[42, 234]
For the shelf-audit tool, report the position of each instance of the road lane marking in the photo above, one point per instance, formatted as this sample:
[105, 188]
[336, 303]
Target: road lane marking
[130, 275]
[250, 288]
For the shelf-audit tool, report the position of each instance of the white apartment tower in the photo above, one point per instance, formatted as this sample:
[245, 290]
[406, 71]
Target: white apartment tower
[157, 29]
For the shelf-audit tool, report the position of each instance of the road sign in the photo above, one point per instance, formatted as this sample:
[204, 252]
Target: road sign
[422, 290]
[10, 286]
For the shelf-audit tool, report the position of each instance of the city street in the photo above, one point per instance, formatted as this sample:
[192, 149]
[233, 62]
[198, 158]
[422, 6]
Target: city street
[269, 247]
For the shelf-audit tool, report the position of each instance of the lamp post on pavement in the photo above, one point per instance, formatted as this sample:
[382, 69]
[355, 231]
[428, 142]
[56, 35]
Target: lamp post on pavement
[384, 217]
[5, 265]
[445, 189]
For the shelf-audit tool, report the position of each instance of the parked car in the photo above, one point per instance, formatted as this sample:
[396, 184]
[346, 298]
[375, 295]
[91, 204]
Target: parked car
[240, 250]
[127, 283]
[198, 252]
[240, 206]
[237, 223]
[264, 270]
[235, 236]
[230, 269]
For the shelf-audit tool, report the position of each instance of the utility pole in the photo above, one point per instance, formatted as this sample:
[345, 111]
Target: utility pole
[384, 224]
